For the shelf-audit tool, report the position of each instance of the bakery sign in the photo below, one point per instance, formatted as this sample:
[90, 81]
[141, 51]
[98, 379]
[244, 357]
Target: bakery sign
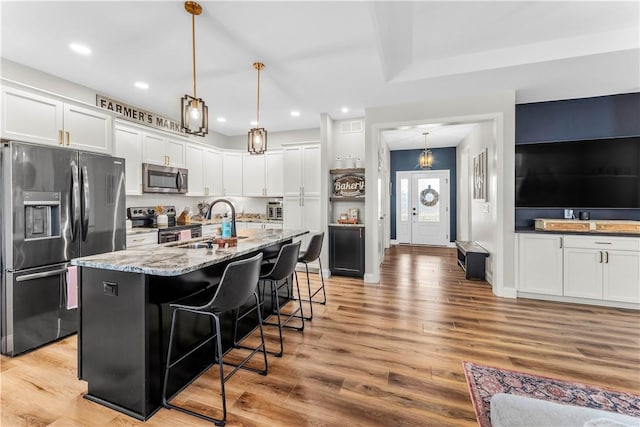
[137, 115]
[348, 186]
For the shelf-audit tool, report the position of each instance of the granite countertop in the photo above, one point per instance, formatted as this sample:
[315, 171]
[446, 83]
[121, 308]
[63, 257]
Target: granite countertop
[140, 230]
[336, 224]
[239, 218]
[169, 260]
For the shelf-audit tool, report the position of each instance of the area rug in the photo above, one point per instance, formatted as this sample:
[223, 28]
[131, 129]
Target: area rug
[485, 381]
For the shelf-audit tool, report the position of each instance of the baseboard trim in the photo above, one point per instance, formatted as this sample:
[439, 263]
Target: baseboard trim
[393, 242]
[507, 293]
[371, 278]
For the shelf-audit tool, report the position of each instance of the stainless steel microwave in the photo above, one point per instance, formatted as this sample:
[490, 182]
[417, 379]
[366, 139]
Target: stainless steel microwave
[164, 179]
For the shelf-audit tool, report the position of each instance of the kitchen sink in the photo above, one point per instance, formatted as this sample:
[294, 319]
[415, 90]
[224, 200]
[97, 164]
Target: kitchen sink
[198, 245]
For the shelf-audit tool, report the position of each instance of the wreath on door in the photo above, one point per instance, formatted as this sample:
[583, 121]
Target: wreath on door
[429, 197]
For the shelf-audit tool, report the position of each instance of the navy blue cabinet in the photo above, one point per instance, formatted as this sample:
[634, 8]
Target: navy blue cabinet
[346, 250]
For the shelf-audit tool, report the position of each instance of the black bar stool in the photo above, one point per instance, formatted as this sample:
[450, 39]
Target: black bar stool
[282, 271]
[311, 254]
[237, 285]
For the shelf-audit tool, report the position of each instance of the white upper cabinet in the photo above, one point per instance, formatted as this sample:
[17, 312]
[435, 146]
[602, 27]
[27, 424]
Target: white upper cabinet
[160, 150]
[232, 173]
[195, 165]
[302, 166]
[32, 117]
[253, 175]
[274, 176]
[262, 174]
[212, 172]
[128, 144]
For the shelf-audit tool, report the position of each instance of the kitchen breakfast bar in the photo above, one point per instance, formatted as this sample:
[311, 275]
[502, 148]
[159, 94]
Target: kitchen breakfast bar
[125, 316]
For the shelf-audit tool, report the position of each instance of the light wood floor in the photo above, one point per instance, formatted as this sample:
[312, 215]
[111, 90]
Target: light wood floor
[385, 355]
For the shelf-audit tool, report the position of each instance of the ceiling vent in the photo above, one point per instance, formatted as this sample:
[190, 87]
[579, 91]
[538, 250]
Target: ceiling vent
[351, 126]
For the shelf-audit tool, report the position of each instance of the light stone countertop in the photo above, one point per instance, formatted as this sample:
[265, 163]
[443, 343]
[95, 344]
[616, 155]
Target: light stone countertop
[169, 260]
[337, 224]
[140, 230]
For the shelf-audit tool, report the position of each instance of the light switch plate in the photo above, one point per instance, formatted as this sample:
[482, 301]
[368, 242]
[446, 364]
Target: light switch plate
[568, 214]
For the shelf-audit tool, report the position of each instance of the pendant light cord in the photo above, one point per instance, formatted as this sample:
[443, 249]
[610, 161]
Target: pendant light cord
[193, 44]
[258, 106]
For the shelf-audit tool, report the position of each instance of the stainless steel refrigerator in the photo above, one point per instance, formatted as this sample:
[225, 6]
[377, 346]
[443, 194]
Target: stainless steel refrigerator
[57, 204]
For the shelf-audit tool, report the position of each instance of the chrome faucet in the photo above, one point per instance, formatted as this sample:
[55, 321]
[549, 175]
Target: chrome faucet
[233, 214]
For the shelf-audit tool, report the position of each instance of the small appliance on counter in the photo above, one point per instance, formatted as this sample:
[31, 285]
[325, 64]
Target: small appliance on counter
[147, 217]
[274, 210]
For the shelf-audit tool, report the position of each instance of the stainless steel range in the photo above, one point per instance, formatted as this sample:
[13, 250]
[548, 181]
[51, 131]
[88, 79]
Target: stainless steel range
[145, 217]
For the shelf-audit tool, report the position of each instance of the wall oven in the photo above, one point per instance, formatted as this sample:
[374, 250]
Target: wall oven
[164, 179]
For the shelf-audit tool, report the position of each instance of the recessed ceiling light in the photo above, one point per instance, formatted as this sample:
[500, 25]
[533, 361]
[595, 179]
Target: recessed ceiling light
[253, 123]
[345, 109]
[141, 85]
[429, 125]
[80, 48]
[221, 120]
[403, 127]
[295, 113]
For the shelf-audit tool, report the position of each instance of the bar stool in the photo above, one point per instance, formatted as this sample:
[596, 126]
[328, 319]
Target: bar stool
[237, 285]
[283, 269]
[311, 254]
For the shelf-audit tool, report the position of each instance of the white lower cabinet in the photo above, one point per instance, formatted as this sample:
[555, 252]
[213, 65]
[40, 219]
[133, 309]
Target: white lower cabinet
[141, 239]
[597, 268]
[210, 229]
[540, 267]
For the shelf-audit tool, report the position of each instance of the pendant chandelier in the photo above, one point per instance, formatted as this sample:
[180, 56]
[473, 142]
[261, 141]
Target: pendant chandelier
[257, 141]
[426, 157]
[195, 114]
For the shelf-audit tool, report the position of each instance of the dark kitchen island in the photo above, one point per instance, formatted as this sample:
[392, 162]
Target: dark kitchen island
[125, 317]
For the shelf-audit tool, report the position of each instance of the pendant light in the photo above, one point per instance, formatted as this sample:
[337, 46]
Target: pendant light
[426, 157]
[195, 114]
[257, 141]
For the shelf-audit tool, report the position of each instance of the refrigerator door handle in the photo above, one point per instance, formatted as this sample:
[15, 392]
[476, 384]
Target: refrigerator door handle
[86, 208]
[44, 274]
[75, 201]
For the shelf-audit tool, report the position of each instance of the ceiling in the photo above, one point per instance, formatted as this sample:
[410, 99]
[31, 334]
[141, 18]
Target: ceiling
[321, 56]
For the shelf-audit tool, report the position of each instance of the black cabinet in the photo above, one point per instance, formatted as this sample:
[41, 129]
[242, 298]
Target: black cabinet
[346, 250]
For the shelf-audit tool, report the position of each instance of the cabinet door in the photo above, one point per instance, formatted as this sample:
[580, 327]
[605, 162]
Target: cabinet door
[292, 165]
[32, 118]
[273, 173]
[254, 225]
[253, 182]
[583, 273]
[621, 280]
[232, 174]
[86, 129]
[346, 251]
[128, 144]
[311, 171]
[194, 163]
[213, 173]
[175, 152]
[540, 264]
[292, 213]
[153, 149]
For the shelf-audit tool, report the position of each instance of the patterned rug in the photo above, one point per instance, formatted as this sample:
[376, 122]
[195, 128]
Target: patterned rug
[485, 381]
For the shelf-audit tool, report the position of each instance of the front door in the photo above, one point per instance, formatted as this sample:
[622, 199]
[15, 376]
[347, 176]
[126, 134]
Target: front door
[423, 207]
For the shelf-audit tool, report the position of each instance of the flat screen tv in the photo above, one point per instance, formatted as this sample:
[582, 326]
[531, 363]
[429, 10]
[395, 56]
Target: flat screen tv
[600, 173]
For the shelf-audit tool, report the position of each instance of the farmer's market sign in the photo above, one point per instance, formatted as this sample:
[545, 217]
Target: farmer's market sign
[137, 115]
[348, 186]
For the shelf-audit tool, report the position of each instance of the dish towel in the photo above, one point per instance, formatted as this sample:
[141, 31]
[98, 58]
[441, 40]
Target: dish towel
[185, 234]
[72, 287]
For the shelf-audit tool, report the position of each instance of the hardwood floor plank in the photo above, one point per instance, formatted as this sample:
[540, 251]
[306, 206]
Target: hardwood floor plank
[375, 355]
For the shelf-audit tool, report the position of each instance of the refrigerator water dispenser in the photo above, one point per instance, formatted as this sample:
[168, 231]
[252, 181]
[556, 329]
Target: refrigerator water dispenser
[41, 215]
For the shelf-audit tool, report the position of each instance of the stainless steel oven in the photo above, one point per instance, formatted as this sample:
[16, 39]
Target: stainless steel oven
[164, 179]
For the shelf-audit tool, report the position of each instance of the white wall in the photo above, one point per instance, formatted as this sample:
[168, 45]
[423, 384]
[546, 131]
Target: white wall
[498, 106]
[482, 215]
[275, 139]
[346, 144]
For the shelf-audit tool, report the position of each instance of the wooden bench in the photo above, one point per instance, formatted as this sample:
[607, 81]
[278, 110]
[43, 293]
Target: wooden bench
[471, 257]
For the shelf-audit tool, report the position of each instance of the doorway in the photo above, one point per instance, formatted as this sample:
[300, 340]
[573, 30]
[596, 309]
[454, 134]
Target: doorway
[422, 207]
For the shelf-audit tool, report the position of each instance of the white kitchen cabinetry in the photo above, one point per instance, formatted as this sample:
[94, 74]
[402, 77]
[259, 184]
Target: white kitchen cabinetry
[212, 173]
[540, 264]
[262, 174]
[141, 239]
[302, 213]
[602, 267]
[32, 117]
[128, 144]
[232, 173]
[301, 165]
[593, 269]
[194, 162]
[161, 150]
[210, 229]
